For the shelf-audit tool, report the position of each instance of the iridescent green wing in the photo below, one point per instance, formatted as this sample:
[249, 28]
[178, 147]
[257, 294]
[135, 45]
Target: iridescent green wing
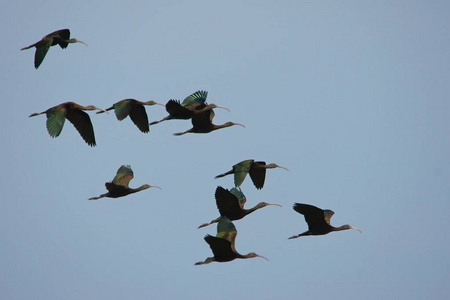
[122, 109]
[240, 196]
[41, 51]
[197, 97]
[55, 120]
[226, 230]
[123, 176]
[241, 170]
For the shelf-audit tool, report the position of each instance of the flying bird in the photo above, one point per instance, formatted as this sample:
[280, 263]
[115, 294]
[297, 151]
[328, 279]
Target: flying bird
[231, 205]
[191, 106]
[202, 123]
[318, 220]
[119, 185]
[135, 109]
[223, 244]
[60, 37]
[75, 114]
[256, 169]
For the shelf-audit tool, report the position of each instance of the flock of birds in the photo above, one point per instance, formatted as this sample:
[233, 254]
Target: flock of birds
[230, 203]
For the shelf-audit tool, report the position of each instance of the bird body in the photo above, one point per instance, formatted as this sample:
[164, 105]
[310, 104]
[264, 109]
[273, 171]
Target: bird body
[202, 123]
[256, 169]
[135, 109]
[231, 205]
[60, 37]
[192, 105]
[119, 185]
[74, 113]
[318, 220]
[223, 244]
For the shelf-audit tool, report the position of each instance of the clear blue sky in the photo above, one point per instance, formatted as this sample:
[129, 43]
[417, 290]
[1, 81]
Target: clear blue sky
[351, 96]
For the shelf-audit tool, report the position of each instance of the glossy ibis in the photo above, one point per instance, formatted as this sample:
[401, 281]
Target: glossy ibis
[231, 205]
[202, 123]
[135, 109]
[60, 37]
[256, 169]
[191, 106]
[223, 244]
[318, 220]
[119, 185]
[75, 114]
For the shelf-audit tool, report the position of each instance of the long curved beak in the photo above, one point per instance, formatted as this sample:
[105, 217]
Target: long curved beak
[238, 124]
[102, 110]
[274, 204]
[283, 168]
[78, 41]
[262, 257]
[217, 106]
[157, 103]
[355, 229]
[155, 186]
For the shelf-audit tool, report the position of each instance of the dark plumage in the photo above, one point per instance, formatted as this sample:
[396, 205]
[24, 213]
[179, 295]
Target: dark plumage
[231, 205]
[202, 123]
[256, 169]
[223, 246]
[318, 220]
[60, 37]
[192, 105]
[119, 185]
[135, 109]
[74, 113]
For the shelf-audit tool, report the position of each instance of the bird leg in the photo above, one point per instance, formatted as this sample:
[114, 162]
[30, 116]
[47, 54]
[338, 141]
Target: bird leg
[213, 221]
[299, 235]
[181, 133]
[101, 196]
[156, 122]
[105, 110]
[225, 174]
[207, 261]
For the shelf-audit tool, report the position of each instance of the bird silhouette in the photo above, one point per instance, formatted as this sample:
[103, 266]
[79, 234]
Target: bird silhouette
[135, 109]
[256, 169]
[318, 220]
[202, 123]
[223, 244]
[192, 105]
[231, 205]
[60, 37]
[74, 113]
[119, 185]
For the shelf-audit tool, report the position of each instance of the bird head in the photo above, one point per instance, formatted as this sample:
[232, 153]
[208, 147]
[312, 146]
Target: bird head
[350, 227]
[253, 254]
[276, 166]
[228, 124]
[212, 105]
[76, 41]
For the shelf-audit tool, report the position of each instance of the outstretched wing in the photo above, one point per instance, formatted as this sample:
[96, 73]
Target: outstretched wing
[240, 171]
[226, 230]
[122, 109]
[55, 120]
[83, 124]
[139, 117]
[221, 248]
[61, 36]
[227, 203]
[258, 175]
[314, 216]
[197, 97]
[41, 51]
[175, 109]
[123, 176]
[240, 196]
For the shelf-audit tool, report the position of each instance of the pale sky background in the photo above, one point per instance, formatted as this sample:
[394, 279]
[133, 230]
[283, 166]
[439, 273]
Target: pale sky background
[351, 96]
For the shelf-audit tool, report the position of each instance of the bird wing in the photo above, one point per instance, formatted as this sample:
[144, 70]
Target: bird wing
[327, 215]
[115, 189]
[221, 248]
[175, 109]
[240, 196]
[83, 124]
[139, 117]
[122, 109]
[203, 119]
[61, 36]
[314, 216]
[41, 51]
[258, 175]
[227, 203]
[226, 230]
[197, 97]
[123, 176]
[240, 171]
[55, 120]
